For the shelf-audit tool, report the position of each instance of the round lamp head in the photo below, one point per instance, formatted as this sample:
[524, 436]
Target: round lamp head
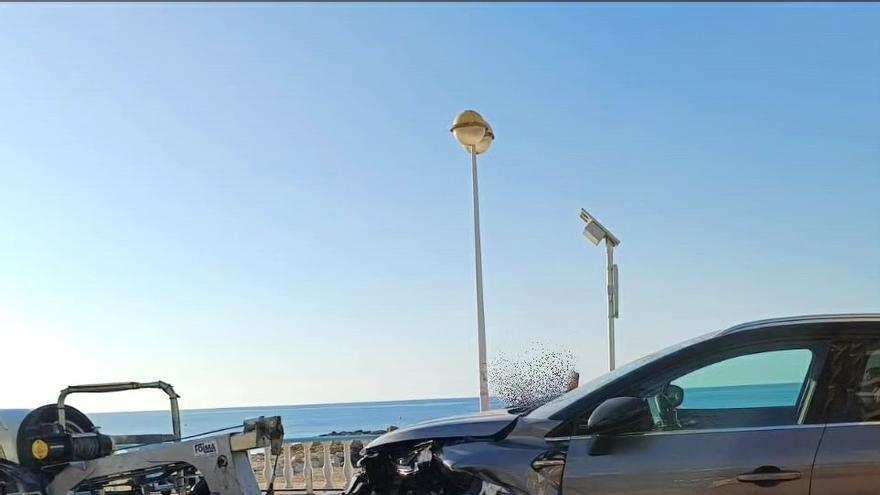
[484, 143]
[469, 128]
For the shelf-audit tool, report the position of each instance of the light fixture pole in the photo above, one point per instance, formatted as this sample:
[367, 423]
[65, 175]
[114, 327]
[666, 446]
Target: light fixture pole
[474, 133]
[595, 232]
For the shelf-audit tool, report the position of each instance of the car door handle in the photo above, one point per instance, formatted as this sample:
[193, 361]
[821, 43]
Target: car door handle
[771, 475]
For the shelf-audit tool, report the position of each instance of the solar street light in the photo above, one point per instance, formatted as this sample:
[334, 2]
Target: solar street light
[595, 232]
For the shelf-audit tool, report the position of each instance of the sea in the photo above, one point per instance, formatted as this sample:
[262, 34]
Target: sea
[300, 421]
[307, 421]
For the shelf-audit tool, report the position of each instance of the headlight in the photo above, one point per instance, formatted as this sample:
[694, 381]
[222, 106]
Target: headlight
[420, 456]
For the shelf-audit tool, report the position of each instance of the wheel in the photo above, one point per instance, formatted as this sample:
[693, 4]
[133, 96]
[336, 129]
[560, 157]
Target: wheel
[200, 488]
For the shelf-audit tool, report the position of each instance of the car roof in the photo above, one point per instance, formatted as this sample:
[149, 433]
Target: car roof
[798, 320]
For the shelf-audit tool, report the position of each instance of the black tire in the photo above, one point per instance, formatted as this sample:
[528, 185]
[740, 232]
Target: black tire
[200, 488]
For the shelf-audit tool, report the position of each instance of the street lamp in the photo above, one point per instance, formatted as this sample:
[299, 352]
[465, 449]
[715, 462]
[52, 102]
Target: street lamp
[595, 232]
[474, 133]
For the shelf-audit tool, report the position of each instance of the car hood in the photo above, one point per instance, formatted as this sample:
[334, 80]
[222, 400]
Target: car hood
[485, 424]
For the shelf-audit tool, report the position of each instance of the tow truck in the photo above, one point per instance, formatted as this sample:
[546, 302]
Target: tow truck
[57, 450]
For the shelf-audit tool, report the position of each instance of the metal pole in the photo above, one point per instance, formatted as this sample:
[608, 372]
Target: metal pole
[609, 248]
[481, 322]
[175, 418]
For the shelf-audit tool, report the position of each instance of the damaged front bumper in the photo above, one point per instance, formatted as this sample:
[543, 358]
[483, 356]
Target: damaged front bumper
[464, 465]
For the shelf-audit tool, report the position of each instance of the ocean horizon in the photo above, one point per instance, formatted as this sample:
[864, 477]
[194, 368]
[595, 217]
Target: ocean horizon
[300, 421]
[312, 420]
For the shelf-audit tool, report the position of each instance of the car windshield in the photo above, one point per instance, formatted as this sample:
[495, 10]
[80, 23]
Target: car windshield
[554, 406]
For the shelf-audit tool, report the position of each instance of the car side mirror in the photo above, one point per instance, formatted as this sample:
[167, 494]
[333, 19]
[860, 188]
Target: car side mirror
[620, 415]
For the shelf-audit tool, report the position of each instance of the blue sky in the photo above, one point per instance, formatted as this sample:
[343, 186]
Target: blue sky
[262, 204]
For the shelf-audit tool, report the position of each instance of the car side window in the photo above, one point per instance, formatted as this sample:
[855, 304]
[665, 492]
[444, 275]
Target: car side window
[854, 394]
[765, 379]
[750, 390]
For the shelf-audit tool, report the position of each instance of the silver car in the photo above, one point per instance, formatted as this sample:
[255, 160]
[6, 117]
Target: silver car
[785, 406]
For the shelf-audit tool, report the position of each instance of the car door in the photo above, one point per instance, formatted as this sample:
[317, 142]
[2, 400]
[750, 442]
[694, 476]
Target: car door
[734, 425]
[848, 461]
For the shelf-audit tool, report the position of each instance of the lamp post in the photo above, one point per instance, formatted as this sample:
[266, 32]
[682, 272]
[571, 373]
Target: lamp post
[474, 133]
[595, 232]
